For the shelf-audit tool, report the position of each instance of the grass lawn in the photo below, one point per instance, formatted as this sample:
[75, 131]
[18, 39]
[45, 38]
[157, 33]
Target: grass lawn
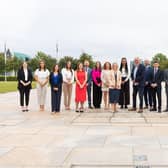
[10, 86]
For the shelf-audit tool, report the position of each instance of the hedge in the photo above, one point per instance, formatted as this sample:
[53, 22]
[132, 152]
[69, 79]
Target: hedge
[9, 78]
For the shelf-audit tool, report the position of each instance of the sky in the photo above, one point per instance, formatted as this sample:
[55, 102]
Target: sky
[106, 29]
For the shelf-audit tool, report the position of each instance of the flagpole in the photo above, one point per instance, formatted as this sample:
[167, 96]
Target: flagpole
[5, 60]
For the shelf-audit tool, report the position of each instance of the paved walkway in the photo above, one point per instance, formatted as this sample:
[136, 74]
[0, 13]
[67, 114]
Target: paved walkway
[90, 140]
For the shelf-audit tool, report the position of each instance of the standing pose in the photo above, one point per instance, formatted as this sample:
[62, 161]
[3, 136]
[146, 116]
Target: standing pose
[56, 89]
[114, 86]
[97, 92]
[124, 99]
[68, 79]
[105, 77]
[41, 76]
[24, 77]
[80, 92]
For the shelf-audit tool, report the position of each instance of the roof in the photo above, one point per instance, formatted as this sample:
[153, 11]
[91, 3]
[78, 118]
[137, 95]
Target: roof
[22, 56]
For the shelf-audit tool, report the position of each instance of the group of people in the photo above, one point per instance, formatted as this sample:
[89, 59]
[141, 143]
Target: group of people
[110, 82]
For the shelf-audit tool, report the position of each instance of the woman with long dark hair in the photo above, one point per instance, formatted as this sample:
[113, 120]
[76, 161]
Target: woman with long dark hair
[68, 79]
[97, 92]
[56, 89]
[24, 77]
[124, 99]
[80, 91]
[41, 76]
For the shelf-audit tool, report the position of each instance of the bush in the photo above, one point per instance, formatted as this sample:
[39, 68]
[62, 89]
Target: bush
[9, 78]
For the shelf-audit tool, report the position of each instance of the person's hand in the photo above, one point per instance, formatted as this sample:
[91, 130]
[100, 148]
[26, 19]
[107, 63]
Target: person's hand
[146, 83]
[122, 82]
[55, 88]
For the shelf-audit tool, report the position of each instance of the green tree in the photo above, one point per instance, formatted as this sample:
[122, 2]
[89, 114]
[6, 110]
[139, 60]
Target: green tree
[2, 63]
[162, 60]
[85, 56]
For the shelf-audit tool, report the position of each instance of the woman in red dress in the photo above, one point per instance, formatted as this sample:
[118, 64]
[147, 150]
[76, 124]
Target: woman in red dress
[80, 93]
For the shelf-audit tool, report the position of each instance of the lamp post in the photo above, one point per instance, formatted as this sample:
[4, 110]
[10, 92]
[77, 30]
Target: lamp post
[5, 60]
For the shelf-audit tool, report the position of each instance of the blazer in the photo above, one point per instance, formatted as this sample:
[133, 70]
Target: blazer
[89, 75]
[148, 72]
[140, 75]
[166, 76]
[21, 76]
[59, 83]
[112, 79]
[157, 78]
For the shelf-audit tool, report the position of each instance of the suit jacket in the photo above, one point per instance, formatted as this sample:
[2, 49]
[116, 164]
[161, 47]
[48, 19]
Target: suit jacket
[140, 75]
[148, 72]
[157, 78]
[21, 76]
[112, 81]
[89, 75]
[59, 83]
[166, 76]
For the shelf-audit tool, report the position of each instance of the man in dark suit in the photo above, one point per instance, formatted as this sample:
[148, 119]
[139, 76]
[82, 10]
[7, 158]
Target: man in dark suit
[166, 88]
[89, 82]
[156, 79]
[137, 76]
[147, 88]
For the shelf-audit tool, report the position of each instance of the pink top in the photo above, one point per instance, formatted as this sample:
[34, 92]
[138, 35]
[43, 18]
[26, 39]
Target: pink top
[96, 76]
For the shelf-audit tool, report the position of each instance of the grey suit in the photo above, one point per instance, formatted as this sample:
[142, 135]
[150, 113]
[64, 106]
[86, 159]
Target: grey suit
[89, 84]
[166, 86]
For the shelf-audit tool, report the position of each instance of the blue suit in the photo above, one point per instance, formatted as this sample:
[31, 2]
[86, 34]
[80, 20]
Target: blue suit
[89, 84]
[138, 85]
[147, 88]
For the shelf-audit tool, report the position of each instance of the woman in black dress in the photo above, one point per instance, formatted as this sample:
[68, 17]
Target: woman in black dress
[124, 99]
[24, 77]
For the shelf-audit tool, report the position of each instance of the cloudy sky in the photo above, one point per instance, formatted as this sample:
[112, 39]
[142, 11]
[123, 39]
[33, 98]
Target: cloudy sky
[107, 29]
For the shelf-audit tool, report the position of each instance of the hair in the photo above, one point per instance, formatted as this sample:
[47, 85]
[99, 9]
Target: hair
[96, 65]
[53, 69]
[78, 66]
[114, 64]
[105, 65]
[126, 65]
[40, 66]
[21, 65]
[156, 61]
[66, 66]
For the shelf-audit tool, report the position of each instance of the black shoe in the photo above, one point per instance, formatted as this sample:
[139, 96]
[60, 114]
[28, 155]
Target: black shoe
[27, 110]
[77, 111]
[153, 109]
[146, 107]
[23, 110]
[90, 107]
[126, 107]
[81, 111]
[159, 111]
[121, 107]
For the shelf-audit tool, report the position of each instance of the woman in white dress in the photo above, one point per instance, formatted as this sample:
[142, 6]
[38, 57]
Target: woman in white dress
[41, 76]
[105, 77]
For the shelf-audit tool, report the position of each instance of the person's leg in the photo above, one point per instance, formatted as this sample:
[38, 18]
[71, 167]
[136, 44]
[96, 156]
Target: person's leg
[122, 96]
[52, 100]
[134, 96]
[89, 94]
[105, 99]
[95, 94]
[77, 108]
[65, 88]
[58, 100]
[154, 98]
[39, 90]
[141, 93]
[27, 95]
[159, 97]
[69, 95]
[21, 92]
[43, 97]
[150, 96]
[146, 95]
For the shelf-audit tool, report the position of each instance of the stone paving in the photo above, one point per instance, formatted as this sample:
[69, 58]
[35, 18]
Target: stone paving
[90, 140]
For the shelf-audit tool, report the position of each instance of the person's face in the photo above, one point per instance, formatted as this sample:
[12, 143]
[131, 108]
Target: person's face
[115, 67]
[136, 61]
[98, 65]
[86, 63]
[80, 66]
[124, 61]
[107, 66]
[42, 64]
[56, 68]
[25, 65]
[69, 64]
[146, 62]
[156, 65]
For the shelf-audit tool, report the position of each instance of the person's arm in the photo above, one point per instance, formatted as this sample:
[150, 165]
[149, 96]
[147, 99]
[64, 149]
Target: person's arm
[94, 77]
[73, 76]
[76, 78]
[64, 76]
[84, 83]
[102, 77]
[140, 76]
[119, 80]
[47, 78]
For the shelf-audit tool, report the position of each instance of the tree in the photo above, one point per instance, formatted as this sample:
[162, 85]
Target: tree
[2, 63]
[49, 60]
[162, 60]
[85, 56]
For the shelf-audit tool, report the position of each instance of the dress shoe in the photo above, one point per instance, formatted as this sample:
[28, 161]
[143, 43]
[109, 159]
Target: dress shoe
[132, 109]
[140, 111]
[159, 111]
[121, 107]
[166, 110]
[126, 107]
[146, 107]
[153, 109]
[90, 107]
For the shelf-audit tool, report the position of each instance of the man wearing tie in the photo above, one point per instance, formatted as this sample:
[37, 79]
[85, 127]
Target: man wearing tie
[137, 76]
[89, 82]
[156, 79]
